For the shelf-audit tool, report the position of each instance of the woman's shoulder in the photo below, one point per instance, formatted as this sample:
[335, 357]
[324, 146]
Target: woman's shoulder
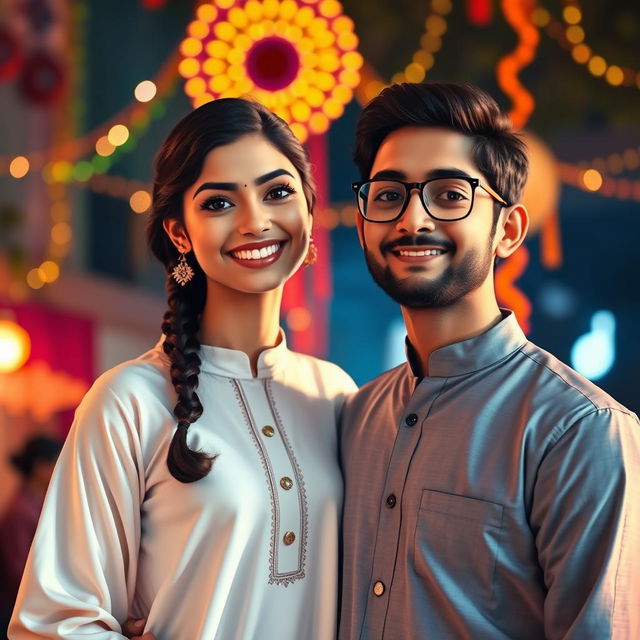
[143, 379]
[328, 372]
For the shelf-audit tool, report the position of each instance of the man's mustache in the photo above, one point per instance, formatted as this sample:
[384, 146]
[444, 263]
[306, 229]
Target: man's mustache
[418, 241]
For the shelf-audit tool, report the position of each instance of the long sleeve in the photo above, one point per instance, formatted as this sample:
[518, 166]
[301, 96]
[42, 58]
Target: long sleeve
[586, 517]
[80, 575]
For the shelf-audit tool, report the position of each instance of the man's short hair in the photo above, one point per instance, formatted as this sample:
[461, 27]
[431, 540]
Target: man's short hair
[497, 151]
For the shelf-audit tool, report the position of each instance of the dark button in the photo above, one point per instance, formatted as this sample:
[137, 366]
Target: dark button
[289, 538]
[391, 501]
[286, 483]
[411, 419]
[378, 588]
[268, 431]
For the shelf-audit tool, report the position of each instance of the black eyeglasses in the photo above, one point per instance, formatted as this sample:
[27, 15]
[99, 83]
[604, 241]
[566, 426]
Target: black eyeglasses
[445, 198]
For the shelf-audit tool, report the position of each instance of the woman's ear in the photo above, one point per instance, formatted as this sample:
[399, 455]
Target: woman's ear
[175, 230]
[512, 227]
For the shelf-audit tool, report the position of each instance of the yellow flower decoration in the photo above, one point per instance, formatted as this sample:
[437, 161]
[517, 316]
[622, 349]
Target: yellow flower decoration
[299, 59]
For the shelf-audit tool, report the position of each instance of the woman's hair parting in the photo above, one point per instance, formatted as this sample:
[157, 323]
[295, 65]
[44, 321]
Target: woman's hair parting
[497, 151]
[177, 166]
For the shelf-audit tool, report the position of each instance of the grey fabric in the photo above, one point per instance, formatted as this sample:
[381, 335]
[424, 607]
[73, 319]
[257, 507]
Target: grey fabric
[517, 500]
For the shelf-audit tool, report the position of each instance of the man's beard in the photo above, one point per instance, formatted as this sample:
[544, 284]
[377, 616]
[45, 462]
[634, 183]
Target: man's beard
[419, 292]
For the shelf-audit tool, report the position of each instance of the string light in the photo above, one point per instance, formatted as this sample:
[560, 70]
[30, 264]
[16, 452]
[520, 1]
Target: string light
[19, 167]
[570, 34]
[423, 59]
[145, 91]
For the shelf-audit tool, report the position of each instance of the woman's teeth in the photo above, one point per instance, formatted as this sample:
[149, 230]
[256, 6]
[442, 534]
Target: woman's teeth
[256, 254]
[424, 252]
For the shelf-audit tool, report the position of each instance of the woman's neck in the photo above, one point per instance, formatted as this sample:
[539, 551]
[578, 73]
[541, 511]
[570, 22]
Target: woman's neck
[248, 322]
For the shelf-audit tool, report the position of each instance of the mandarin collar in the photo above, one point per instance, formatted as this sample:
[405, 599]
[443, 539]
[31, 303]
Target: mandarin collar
[476, 353]
[231, 363]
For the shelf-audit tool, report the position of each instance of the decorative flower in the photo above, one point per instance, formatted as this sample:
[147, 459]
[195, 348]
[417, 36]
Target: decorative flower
[298, 58]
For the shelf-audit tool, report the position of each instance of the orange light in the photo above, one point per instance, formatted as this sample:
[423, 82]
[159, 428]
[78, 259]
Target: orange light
[140, 201]
[597, 65]
[19, 167]
[198, 29]
[207, 13]
[104, 147]
[49, 271]
[592, 179]
[299, 319]
[15, 346]
[190, 47]
[118, 135]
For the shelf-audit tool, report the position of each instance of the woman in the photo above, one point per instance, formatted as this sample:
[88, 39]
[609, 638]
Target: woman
[199, 487]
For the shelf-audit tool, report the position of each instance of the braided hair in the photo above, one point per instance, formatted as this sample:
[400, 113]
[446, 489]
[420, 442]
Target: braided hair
[177, 166]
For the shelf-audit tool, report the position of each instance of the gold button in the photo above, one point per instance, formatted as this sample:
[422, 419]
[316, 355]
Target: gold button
[289, 538]
[268, 431]
[378, 588]
[286, 483]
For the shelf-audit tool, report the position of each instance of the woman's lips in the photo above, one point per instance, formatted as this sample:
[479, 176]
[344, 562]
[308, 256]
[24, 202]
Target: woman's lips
[258, 254]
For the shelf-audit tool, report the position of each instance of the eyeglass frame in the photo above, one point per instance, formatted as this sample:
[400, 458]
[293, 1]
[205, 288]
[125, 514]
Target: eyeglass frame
[410, 186]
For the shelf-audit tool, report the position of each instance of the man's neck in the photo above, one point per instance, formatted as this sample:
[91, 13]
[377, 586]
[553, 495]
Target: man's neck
[431, 329]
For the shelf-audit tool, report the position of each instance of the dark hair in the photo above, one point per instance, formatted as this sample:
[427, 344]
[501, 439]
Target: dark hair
[36, 448]
[497, 151]
[177, 166]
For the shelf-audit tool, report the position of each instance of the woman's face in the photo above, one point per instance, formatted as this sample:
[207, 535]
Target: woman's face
[246, 217]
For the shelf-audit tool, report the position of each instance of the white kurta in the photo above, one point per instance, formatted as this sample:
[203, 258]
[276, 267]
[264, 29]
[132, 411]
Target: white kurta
[250, 551]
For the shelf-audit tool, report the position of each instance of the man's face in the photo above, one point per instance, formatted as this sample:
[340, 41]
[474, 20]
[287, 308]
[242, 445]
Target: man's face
[420, 262]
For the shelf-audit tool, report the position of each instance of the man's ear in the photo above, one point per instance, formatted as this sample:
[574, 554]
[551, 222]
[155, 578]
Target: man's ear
[512, 230]
[176, 231]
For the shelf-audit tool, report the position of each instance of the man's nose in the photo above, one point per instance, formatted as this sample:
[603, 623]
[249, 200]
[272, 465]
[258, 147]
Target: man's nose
[415, 218]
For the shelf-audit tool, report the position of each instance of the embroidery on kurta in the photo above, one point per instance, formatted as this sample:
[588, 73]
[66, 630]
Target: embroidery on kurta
[302, 492]
[275, 576]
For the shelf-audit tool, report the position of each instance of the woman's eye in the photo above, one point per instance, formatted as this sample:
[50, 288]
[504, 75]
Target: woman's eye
[216, 204]
[281, 192]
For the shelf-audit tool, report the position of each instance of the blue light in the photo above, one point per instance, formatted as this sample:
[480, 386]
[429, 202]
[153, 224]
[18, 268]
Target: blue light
[594, 353]
[394, 350]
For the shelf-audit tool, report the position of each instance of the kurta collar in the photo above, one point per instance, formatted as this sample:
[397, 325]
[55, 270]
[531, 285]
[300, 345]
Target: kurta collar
[473, 354]
[235, 364]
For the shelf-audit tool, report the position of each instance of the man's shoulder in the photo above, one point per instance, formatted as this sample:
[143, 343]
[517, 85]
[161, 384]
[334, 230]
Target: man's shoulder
[570, 385]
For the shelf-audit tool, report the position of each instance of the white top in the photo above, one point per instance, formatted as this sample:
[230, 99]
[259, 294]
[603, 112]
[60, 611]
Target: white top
[250, 551]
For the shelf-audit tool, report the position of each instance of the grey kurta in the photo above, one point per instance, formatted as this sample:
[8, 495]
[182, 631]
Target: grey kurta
[497, 498]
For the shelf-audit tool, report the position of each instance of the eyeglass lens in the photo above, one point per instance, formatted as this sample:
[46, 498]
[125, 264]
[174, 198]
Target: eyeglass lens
[444, 198]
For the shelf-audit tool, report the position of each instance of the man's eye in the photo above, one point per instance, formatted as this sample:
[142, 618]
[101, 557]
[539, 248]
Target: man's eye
[216, 204]
[281, 192]
[388, 196]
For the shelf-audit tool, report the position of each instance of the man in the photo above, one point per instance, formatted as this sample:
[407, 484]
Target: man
[491, 491]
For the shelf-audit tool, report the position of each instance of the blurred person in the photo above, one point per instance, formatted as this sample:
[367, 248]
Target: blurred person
[491, 492]
[34, 463]
[199, 487]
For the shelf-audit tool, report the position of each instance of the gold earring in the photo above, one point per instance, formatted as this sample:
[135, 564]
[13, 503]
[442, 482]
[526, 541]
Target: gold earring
[312, 253]
[182, 272]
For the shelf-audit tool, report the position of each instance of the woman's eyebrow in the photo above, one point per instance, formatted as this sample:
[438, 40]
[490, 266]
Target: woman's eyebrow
[233, 186]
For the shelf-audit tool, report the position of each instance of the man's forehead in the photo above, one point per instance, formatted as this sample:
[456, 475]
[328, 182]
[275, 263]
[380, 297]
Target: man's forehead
[423, 149]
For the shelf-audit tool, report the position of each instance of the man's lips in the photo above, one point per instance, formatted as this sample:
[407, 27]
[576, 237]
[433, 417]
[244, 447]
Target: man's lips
[258, 254]
[418, 249]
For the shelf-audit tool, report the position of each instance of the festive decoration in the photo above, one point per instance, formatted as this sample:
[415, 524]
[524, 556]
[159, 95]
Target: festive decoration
[15, 345]
[56, 391]
[42, 79]
[508, 294]
[517, 13]
[182, 273]
[296, 58]
[570, 35]
[10, 55]
[480, 12]
[422, 60]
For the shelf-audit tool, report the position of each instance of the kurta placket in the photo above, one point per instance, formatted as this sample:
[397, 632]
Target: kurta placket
[411, 429]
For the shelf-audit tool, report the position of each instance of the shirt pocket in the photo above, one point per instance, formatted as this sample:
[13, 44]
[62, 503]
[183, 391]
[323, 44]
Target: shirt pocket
[456, 544]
